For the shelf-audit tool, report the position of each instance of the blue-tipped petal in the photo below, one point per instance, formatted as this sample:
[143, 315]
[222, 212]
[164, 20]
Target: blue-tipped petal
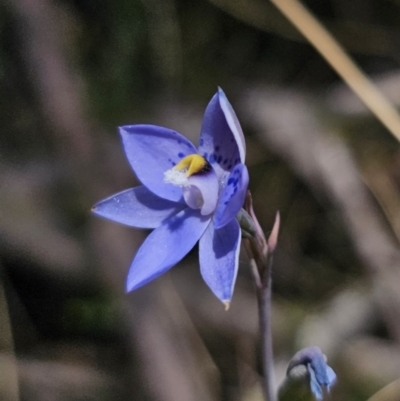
[232, 197]
[218, 139]
[314, 384]
[331, 377]
[152, 150]
[137, 207]
[319, 366]
[233, 122]
[166, 246]
[219, 258]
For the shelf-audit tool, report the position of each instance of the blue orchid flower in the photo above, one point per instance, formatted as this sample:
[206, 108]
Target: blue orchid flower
[306, 376]
[187, 195]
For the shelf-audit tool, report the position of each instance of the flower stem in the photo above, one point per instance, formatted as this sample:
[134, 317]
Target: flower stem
[260, 252]
[264, 315]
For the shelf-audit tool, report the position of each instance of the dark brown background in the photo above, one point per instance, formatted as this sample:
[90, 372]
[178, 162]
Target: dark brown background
[70, 72]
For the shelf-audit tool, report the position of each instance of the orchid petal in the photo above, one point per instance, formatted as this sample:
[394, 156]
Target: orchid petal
[218, 139]
[166, 246]
[331, 377]
[314, 384]
[233, 122]
[152, 150]
[137, 207]
[318, 364]
[232, 197]
[219, 258]
[208, 187]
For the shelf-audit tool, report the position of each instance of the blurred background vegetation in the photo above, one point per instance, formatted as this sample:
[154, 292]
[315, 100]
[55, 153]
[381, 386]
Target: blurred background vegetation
[71, 71]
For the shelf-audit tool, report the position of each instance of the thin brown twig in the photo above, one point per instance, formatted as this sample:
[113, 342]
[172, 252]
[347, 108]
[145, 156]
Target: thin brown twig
[340, 61]
[363, 38]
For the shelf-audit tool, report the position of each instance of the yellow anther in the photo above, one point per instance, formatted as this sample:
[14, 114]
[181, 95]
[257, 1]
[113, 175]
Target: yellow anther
[192, 164]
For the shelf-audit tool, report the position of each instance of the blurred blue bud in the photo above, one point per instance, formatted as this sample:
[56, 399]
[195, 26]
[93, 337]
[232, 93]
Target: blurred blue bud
[306, 377]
